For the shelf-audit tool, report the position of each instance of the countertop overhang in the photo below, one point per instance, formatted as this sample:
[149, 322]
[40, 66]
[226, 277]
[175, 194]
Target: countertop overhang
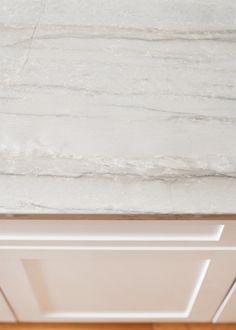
[121, 217]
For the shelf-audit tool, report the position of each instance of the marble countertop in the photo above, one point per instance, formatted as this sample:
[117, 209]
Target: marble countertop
[117, 106]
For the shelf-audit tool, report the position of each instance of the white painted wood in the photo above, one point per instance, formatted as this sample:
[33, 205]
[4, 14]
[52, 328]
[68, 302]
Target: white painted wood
[135, 230]
[227, 310]
[5, 312]
[17, 289]
[117, 285]
[99, 274]
[117, 106]
[217, 233]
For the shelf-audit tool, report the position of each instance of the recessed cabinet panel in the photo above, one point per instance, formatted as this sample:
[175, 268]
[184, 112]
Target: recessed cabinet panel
[5, 312]
[122, 283]
[82, 230]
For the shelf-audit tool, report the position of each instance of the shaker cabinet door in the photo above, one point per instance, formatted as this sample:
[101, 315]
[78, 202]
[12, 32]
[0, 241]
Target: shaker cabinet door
[98, 271]
[95, 285]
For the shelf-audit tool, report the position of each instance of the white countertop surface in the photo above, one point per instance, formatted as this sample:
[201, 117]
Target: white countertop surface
[117, 106]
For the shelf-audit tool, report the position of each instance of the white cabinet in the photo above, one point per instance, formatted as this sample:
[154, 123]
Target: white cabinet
[118, 270]
[6, 314]
[227, 310]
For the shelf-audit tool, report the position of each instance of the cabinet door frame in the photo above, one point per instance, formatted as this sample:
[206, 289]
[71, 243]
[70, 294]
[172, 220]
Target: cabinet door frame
[225, 310]
[6, 313]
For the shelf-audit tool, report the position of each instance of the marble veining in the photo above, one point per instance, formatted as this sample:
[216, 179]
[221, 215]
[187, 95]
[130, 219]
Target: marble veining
[118, 106]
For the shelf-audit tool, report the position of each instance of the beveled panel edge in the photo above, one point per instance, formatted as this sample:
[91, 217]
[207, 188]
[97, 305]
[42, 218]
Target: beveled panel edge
[116, 216]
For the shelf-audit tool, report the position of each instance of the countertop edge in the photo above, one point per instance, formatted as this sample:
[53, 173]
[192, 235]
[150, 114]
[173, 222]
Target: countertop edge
[117, 216]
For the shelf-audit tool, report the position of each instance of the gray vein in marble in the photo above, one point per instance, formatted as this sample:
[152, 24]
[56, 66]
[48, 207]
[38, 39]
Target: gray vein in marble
[60, 87]
[23, 205]
[176, 115]
[135, 176]
[173, 115]
[33, 36]
[30, 161]
[218, 97]
[112, 32]
[53, 115]
[89, 91]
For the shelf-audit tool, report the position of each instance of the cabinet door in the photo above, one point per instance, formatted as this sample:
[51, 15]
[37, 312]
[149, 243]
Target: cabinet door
[227, 310]
[103, 271]
[6, 314]
[116, 285]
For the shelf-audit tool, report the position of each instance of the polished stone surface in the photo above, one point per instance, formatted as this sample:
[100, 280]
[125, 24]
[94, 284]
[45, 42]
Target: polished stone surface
[117, 106]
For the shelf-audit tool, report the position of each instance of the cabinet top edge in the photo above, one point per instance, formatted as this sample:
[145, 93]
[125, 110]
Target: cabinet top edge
[117, 216]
